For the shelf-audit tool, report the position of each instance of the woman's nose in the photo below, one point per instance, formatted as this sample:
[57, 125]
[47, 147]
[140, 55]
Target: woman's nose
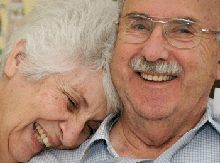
[74, 132]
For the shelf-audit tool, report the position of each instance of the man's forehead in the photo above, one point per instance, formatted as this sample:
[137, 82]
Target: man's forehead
[202, 9]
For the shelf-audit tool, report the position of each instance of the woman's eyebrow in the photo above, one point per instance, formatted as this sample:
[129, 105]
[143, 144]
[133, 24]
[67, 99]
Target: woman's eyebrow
[83, 99]
[71, 91]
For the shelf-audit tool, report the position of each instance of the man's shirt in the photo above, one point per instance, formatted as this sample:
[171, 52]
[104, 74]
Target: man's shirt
[199, 145]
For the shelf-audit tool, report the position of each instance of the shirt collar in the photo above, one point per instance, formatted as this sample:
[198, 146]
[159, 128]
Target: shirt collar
[214, 110]
[212, 115]
[102, 133]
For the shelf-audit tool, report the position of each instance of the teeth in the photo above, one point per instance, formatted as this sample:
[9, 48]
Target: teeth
[41, 132]
[42, 138]
[160, 78]
[149, 77]
[39, 139]
[156, 77]
[46, 142]
[165, 78]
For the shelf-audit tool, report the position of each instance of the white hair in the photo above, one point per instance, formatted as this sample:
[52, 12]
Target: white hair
[59, 34]
[120, 5]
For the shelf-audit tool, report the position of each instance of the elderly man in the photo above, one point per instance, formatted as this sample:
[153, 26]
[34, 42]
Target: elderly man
[164, 65]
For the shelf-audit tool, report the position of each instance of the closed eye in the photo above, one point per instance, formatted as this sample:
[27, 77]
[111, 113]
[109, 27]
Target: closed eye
[72, 105]
[71, 102]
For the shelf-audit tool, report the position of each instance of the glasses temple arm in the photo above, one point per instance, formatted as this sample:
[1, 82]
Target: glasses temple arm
[210, 31]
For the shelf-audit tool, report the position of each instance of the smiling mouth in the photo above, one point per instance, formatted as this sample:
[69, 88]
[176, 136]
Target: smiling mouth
[41, 136]
[156, 78]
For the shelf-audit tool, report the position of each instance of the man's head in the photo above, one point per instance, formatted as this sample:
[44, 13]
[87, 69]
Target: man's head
[172, 75]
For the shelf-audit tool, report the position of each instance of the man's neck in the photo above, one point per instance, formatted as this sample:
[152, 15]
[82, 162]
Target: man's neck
[130, 139]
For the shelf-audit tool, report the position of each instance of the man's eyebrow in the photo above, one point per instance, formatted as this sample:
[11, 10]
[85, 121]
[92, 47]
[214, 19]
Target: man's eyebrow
[137, 14]
[191, 19]
[140, 14]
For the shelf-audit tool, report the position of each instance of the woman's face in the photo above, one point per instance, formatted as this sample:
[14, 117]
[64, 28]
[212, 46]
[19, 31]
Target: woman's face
[57, 112]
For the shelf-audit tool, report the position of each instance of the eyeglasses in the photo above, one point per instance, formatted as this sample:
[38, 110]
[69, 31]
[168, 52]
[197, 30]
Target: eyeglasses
[180, 33]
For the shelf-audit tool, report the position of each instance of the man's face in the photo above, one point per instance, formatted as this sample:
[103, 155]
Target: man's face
[188, 92]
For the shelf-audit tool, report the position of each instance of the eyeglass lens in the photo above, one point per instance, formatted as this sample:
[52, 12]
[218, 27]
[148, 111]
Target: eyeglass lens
[180, 33]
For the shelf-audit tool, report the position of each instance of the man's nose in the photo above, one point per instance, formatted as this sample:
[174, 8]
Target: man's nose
[73, 130]
[155, 47]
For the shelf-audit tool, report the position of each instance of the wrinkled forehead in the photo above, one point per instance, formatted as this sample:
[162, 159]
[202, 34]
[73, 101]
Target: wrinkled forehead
[205, 12]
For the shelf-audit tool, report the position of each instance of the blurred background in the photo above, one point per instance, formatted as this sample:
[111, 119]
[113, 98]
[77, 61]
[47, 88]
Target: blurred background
[13, 11]
[11, 14]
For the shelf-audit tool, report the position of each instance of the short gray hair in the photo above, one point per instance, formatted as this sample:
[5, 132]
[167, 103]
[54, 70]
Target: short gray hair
[60, 33]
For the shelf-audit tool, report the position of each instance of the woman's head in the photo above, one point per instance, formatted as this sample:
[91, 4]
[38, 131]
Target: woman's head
[59, 111]
[61, 34]
[54, 34]
[51, 75]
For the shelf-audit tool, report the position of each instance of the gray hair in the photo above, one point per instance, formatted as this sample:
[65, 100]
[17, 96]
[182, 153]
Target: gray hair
[59, 34]
[120, 5]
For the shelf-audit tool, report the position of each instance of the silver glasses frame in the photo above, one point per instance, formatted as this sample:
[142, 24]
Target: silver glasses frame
[204, 31]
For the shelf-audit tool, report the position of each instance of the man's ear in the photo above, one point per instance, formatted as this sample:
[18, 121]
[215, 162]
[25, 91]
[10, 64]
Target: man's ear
[17, 54]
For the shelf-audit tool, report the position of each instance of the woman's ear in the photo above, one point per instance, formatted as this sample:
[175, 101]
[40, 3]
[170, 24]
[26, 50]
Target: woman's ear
[17, 54]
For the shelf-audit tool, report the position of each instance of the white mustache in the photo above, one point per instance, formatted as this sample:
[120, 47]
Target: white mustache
[161, 67]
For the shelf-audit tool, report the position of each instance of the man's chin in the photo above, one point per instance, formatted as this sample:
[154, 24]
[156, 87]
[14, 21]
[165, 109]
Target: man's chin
[156, 113]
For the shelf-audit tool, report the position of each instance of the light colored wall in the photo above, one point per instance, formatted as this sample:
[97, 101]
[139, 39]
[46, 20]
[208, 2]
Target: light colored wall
[27, 8]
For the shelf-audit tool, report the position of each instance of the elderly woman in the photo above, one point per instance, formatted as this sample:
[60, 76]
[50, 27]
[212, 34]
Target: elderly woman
[54, 84]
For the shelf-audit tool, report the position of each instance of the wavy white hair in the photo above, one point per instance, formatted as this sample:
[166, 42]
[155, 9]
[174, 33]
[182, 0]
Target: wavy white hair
[61, 33]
